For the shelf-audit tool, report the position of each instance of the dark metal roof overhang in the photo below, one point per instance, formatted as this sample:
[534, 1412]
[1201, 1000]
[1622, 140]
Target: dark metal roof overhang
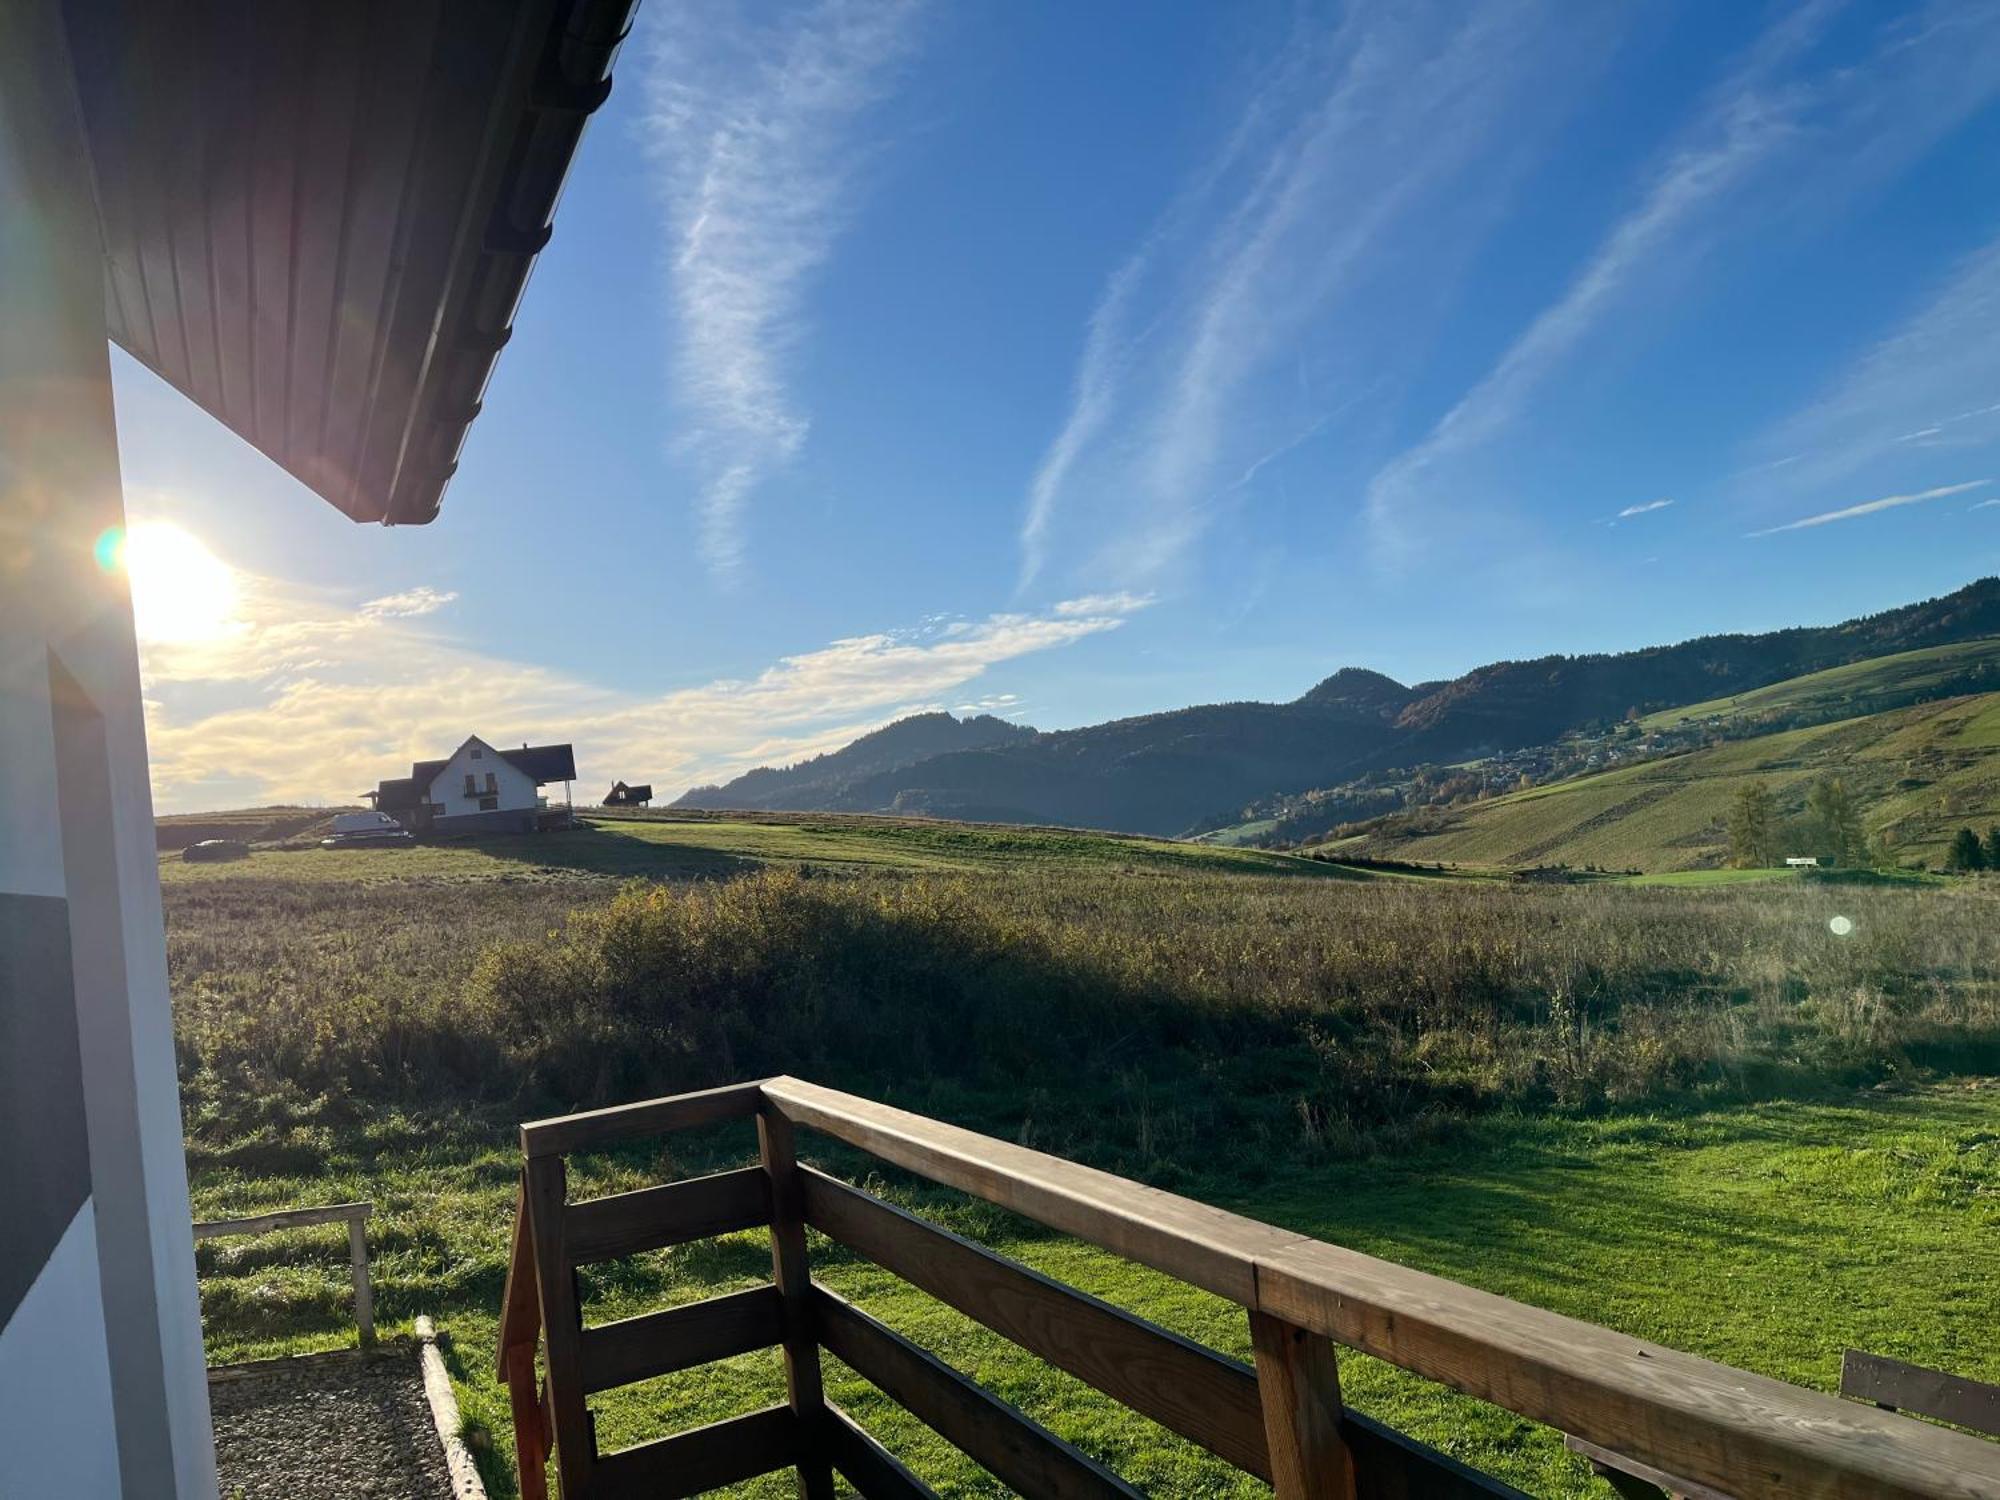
[545, 763]
[319, 215]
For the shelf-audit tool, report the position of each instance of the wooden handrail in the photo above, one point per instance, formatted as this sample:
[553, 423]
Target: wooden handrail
[1736, 1433]
[356, 1217]
[1741, 1433]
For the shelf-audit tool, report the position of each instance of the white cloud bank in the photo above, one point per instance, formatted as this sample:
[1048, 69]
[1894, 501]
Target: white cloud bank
[308, 698]
[755, 129]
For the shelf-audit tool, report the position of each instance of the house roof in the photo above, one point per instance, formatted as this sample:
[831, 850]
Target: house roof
[543, 762]
[318, 218]
[399, 795]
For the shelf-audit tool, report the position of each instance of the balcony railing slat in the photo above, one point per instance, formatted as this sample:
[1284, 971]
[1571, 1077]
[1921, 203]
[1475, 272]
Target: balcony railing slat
[661, 1343]
[1214, 1250]
[601, 1229]
[1180, 1384]
[1390, 1465]
[1020, 1452]
[792, 1277]
[869, 1467]
[707, 1458]
[603, 1127]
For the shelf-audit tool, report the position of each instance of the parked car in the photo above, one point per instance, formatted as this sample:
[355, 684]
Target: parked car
[366, 830]
[380, 838]
[211, 851]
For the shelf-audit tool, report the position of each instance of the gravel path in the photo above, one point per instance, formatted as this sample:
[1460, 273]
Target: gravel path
[354, 1430]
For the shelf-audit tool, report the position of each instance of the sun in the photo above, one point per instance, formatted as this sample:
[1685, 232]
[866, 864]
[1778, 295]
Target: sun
[181, 591]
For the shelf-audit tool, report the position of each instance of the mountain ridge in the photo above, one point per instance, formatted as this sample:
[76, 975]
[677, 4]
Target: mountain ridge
[1167, 771]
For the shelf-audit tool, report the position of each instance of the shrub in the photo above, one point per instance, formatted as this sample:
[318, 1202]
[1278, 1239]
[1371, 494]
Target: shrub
[1138, 1011]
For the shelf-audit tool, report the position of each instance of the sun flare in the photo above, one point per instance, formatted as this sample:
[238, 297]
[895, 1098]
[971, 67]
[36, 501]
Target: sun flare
[181, 591]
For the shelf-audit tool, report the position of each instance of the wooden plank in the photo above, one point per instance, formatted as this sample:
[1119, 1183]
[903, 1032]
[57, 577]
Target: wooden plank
[1180, 1384]
[1916, 1388]
[562, 1325]
[869, 1467]
[601, 1229]
[1020, 1452]
[364, 1295]
[1299, 1381]
[1390, 1465]
[705, 1458]
[1710, 1424]
[284, 1218]
[678, 1338]
[793, 1279]
[531, 1451]
[562, 1134]
[1637, 1481]
[520, 1310]
[1216, 1251]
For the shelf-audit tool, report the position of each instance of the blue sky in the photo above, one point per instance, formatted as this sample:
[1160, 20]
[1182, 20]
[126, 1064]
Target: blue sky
[1085, 360]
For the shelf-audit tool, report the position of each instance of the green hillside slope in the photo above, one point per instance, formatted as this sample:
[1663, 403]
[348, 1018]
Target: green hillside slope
[1920, 772]
[1858, 688]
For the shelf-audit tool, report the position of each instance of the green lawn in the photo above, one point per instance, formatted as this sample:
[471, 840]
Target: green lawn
[1698, 878]
[1767, 1236]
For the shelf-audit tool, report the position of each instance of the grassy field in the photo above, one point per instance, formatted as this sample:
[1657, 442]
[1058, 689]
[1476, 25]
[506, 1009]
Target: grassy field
[1693, 1114]
[625, 846]
[1920, 773]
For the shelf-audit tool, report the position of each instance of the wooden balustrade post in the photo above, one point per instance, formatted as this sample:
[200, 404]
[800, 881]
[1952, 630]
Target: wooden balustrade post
[794, 1281]
[1298, 1381]
[364, 1295]
[562, 1325]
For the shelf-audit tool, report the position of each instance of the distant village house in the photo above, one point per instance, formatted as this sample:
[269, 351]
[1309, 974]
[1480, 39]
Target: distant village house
[481, 790]
[622, 795]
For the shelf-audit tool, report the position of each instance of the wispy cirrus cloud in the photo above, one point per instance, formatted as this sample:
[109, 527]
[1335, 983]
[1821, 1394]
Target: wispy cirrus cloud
[1783, 135]
[1870, 507]
[755, 130]
[1351, 132]
[1928, 384]
[1647, 508]
[1733, 133]
[309, 697]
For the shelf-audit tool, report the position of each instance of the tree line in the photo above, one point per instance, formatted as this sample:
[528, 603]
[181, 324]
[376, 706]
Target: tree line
[1831, 830]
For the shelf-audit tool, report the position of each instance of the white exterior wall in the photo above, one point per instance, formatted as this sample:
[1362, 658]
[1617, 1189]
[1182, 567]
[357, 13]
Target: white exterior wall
[515, 789]
[102, 1389]
[53, 1413]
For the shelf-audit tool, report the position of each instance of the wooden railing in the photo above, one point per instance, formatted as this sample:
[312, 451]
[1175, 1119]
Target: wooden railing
[1283, 1420]
[354, 1215]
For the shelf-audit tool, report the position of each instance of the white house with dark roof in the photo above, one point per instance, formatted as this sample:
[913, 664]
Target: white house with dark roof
[478, 789]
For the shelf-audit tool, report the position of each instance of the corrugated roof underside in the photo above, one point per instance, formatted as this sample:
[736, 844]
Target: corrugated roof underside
[318, 218]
